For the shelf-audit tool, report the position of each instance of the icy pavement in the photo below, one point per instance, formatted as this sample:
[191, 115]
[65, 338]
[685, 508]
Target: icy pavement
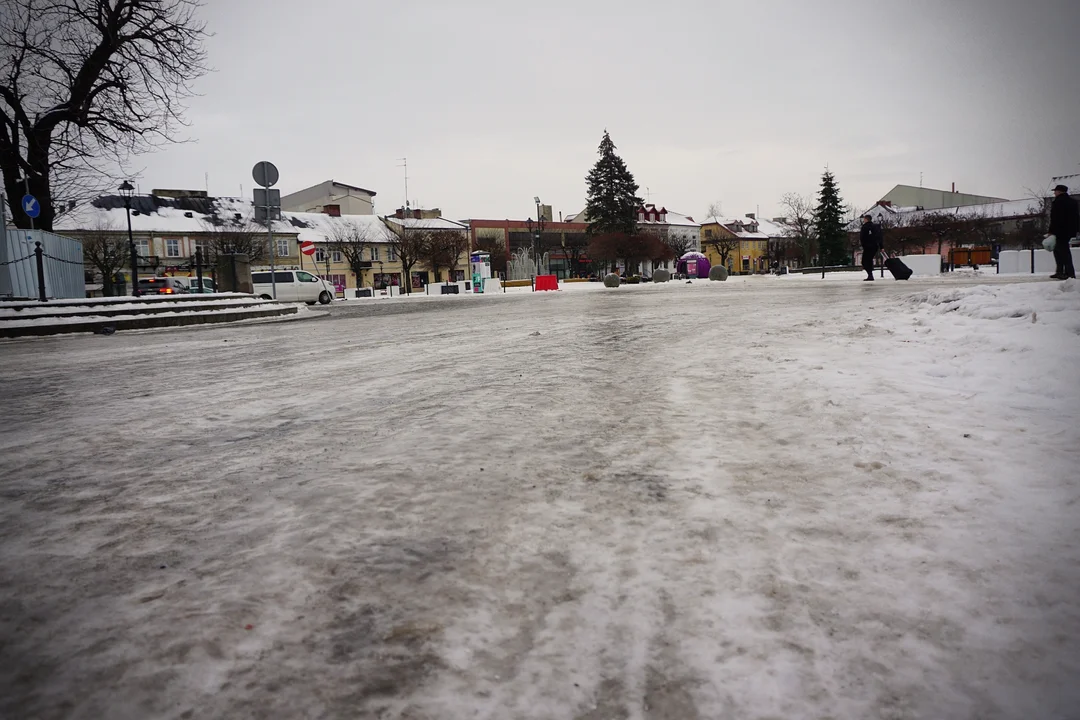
[755, 500]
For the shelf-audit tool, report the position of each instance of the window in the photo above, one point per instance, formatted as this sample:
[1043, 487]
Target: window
[338, 281]
[336, 256]
[320, 254]
[172, 248]
[143, 247]
[374, 254]
[305, 276]
[283, 247]
[391, 254]
[203, 247]
[708, 233]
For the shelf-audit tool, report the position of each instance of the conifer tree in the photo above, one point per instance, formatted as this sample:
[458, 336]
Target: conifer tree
[829, 222]
[612, 202]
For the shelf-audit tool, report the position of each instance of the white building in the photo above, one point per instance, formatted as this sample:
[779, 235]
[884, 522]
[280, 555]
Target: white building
[331, 198]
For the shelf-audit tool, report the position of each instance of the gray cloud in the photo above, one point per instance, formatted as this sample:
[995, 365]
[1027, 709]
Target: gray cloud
[496, 102]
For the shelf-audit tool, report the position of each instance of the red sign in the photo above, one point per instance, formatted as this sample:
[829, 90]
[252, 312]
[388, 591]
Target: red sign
[307, 247]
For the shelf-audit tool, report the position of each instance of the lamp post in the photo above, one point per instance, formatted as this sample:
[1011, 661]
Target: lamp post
[539, 232]
[126, 191]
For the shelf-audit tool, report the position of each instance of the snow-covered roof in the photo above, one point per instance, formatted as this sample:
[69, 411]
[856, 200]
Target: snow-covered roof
[774, 229]
[426, 223]
[737, 226]
[178, 216]
[673, 218]
[1071, 181]
[912, 216]
[319, 227]
[152, 214]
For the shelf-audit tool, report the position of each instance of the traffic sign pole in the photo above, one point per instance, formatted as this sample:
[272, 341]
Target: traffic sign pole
[266, 174]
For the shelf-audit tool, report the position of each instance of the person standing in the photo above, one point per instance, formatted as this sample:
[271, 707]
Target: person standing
[1064, 226]
[870, 237]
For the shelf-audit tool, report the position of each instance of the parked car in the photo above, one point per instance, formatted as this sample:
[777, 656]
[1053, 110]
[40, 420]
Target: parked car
[293, 286]
[192, 284]
[161, 286]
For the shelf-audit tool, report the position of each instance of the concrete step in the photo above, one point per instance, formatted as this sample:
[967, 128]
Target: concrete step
[48, 310]
[106, 325]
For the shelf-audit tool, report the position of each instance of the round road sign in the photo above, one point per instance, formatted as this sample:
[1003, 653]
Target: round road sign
[307, 247]
[264, 173]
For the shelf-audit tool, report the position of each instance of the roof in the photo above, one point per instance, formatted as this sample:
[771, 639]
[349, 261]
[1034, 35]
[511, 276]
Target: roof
[320, 227]
[151, 214]
[737, 226]
[426, 223]
[1071, 181]
[335, 183]
[911, 216]
[774, 229]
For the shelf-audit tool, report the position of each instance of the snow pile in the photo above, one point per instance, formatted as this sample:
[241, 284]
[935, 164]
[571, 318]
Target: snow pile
[1058, 303]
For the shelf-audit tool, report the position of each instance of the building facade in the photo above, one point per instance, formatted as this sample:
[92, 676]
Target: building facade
[737, 244]
[331, 198]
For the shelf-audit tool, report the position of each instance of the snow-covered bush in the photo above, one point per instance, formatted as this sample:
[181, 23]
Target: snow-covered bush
[718, 272]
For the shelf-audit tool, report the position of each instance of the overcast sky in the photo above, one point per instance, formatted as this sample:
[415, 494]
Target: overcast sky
[494, 102]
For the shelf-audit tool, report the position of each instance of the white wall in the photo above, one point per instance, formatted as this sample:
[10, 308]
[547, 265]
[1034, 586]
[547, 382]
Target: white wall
[923, 264]
[1019, 261]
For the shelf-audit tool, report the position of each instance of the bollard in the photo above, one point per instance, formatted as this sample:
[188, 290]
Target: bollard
[39, 253]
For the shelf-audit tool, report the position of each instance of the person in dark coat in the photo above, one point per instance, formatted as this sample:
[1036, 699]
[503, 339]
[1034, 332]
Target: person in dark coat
[870, 237]
[1064, 226]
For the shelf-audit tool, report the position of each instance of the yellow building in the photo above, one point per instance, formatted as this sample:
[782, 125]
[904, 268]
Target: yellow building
[736, 244]
[358, 251]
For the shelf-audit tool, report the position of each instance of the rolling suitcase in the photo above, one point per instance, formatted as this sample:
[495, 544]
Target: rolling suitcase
[899, 270]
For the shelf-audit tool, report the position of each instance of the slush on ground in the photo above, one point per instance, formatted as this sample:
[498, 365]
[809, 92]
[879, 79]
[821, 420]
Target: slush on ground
[759, 499]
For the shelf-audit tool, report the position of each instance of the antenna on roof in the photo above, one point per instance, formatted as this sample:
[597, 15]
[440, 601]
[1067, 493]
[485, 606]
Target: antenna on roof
[206, 182]
[405, 164]
[920, 178]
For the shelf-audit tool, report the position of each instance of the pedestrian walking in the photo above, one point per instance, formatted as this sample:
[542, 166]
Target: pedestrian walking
[1064, 226]
[870, 237]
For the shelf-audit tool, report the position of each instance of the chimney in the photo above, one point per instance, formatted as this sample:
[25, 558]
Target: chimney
[752, 216]
[332, 210]
[954, 187]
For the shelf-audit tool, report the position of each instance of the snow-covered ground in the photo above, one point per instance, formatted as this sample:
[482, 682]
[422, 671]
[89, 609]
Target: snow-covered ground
[763, 499]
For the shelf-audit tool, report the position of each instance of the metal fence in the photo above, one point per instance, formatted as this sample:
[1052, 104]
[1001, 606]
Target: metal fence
[62, 261]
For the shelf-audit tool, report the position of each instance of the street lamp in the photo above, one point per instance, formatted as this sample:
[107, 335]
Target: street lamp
[539, 231]
[126, 191]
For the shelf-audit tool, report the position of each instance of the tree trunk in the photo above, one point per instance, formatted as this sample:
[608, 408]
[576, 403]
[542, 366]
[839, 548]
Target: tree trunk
[40, 187]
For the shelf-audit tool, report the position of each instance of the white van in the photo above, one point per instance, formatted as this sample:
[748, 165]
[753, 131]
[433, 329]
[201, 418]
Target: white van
[293, 286]
[192, 283]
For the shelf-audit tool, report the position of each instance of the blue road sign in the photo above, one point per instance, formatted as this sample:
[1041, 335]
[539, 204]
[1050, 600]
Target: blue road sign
[31, 206]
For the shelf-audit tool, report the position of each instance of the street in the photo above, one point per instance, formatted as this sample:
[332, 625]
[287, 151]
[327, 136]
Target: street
[759, 499]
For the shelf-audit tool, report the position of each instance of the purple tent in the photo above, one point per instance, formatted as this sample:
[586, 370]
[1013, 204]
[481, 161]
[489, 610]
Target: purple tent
[701, 269]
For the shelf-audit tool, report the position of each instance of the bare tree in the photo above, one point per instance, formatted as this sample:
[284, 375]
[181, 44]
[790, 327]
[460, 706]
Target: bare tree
[86, 82]
[495, 246]
[940, 227]
[409, 245]
[352, 240]
[678, 243]
[723, 242]
[715, 210]
[234, 235]
[799, 216]
[107, 251]
[456, 244]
